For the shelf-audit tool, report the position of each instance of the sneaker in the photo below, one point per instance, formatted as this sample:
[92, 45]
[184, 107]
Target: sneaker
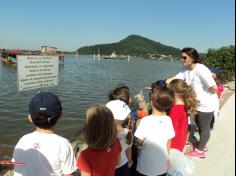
[195, 154]
[204, 150]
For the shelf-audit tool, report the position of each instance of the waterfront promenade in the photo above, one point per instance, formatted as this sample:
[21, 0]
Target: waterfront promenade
[220, 159]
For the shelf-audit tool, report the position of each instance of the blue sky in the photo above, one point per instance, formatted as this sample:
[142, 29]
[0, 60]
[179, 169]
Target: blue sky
[70, 24]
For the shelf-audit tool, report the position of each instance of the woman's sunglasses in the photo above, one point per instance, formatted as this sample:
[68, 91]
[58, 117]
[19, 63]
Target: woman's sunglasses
[184, 57]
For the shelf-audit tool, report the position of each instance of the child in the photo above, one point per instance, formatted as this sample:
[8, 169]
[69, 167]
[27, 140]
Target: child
[121, 112]
[122, 92]
[220, 88]
[185, 105]
[142, 105]
[103, 152]
[216, 75]
[43, 151]
[154, 133]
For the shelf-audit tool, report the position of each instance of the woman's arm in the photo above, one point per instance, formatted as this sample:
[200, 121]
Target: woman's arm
[168, 80]
[206, 79]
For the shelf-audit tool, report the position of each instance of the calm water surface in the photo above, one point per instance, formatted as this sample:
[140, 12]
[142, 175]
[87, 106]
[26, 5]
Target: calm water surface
[83, 82]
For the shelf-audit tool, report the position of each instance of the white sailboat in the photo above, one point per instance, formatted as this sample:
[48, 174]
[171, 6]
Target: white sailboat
[76, 55]
[128, 58]
[98, 56]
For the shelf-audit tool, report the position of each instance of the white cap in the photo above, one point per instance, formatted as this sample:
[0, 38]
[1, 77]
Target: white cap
[119, 109]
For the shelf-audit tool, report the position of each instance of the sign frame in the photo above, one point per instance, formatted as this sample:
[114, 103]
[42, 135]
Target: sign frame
[36, 71]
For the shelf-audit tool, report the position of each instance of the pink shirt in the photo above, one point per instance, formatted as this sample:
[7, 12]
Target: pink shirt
[220, 89]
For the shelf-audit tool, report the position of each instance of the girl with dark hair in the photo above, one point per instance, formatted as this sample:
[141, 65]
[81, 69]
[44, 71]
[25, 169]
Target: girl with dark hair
[120, 92]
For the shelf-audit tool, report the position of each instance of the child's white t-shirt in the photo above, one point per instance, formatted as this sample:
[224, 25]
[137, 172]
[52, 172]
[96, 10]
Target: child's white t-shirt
[200, 79]
[122, 138]
[155, 131]
[44, 154]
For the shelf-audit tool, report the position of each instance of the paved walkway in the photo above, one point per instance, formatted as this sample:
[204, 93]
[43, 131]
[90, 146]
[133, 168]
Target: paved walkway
[220, 159]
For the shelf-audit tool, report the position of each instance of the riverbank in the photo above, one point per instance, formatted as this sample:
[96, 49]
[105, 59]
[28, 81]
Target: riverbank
[220, 159]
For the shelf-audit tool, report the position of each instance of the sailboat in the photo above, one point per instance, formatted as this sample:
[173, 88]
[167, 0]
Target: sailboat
[128, 58]
[114, 56]
[76, 55]
[98, 54]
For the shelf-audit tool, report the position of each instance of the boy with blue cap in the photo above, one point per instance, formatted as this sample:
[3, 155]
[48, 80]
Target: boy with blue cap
[43, 151]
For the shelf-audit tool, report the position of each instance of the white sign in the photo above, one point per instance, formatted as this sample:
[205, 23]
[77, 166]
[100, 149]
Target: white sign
[34, 72]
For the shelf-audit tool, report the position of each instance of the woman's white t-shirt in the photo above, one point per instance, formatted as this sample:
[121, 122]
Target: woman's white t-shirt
[200, 79]
[44, 154]
[155, 131]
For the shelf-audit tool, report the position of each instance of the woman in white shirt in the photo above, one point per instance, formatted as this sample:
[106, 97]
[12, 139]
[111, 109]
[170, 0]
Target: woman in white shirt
[200, 78]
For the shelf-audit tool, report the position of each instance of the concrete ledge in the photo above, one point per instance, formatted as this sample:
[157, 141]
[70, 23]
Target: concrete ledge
[220, 159]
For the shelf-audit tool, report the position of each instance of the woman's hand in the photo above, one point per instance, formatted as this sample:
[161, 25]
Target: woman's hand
[213, 89]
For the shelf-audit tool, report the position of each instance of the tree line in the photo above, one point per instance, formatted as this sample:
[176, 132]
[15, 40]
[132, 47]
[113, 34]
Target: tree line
[224, 58]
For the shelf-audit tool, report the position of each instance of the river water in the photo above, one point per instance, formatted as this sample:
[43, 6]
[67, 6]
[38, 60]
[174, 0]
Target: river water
[83, 82]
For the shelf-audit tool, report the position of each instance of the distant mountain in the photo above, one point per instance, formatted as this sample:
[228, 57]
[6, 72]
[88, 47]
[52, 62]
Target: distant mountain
[135, 46]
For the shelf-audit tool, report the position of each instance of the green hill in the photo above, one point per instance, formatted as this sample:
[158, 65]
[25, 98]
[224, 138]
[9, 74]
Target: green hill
[135, 46]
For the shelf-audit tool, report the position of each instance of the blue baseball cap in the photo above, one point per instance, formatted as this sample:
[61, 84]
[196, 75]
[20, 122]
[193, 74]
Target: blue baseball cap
[215, 70]
[45, 101]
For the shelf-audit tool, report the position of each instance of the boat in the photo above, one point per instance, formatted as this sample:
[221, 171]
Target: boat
[9, 56]
[114, 56]
[52, 51]
[98, 55]
[8, 61]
